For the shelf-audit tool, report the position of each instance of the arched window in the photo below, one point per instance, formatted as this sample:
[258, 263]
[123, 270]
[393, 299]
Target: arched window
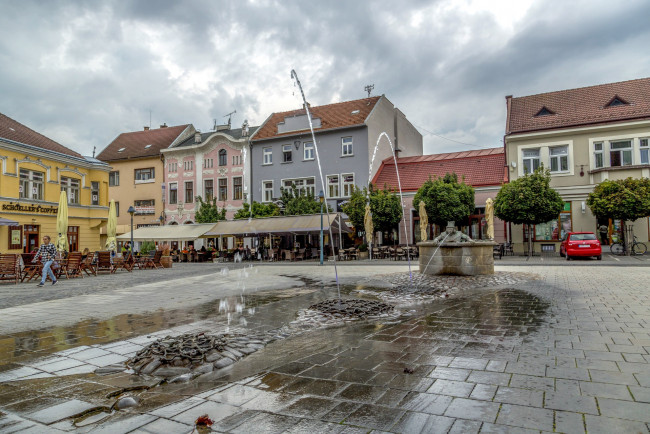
[223, 157]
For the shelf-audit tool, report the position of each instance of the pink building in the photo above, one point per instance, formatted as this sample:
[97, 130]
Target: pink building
[207, 165]
[484, 169]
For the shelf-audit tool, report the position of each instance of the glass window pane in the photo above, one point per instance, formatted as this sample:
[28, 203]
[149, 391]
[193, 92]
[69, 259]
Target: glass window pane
[554, 165]
[644, 156]
[599, 160]
[564, 163]
[627, 158]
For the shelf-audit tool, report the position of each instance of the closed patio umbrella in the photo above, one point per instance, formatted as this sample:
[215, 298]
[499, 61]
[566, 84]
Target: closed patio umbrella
[62, 223]
[369, 227]
[424, 221]
[111, 227]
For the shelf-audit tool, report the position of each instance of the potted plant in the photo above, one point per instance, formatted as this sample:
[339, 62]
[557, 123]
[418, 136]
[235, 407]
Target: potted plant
[166, 259]
[363, 251]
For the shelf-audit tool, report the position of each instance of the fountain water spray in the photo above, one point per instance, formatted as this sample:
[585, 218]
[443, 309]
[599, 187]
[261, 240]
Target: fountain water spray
[320, 171]
[401, 197]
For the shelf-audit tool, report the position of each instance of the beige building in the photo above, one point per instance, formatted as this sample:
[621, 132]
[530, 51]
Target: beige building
[136, 177]
[583, 136]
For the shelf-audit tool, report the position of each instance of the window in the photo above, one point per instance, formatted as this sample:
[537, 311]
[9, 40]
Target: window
[15, 237]
[144, 207]
[556, 229]
[73, 238]
[544, 112]
[643, 145]
[304, 185]
[188, 165]
[189, 192]
[173, 193]
[237, 188]
[531, 160]
[71, 188]
[268, 155]
[333, 186]
[172, 167]
[144, 175]
[236, 160]
[31, 184]
[117, 209]
[309, 151]
[207, 163]
[286, 154]
[346, 146]
[598, 155]
[223, 189]
[114, 179]
[94, 193]
[348, 184]
[208, 188]
[559, 159]
[223, 157]
[620, 153]
[267, 191]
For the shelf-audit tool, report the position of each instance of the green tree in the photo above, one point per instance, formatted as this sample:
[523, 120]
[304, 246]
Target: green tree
[623, 199]
[445, 199]
[300, 202]
[355, 208]
[259, 210]
[208, 211]
[386, 209]
[529, 200]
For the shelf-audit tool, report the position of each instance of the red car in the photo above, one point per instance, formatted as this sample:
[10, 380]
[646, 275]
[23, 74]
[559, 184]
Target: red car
[580, 244]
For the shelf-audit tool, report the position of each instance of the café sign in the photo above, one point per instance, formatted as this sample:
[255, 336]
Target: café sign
[40, 209]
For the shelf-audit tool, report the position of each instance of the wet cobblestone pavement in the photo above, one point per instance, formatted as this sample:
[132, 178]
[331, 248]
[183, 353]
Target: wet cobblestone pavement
[559, 350]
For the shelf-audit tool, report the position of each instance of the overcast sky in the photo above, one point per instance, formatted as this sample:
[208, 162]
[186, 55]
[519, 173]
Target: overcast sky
[83, 72]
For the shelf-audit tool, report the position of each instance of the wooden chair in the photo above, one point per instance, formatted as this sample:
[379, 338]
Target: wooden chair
[508, 250]
[87, 265]
[9, 267]
[376, 253]
[104, 263]
[30, 270]
[72, 266]
[497, 251]
[125, 263]
[155, 260]
[400, 253]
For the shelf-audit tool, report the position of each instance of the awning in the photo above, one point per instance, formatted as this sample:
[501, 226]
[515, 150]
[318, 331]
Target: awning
[168, 233]
[7, 222]
[301, 224]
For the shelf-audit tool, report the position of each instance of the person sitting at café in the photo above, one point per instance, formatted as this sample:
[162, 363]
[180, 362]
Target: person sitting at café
[247, 253]
[193, 254]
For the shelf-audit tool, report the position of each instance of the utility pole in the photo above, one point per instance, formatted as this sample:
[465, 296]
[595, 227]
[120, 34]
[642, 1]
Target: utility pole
[369, 89]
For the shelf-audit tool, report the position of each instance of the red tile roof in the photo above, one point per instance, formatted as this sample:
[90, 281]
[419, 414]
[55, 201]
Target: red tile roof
[134, 143]
[480, 168]
[332, 116]
[17, 132]
[583, 106]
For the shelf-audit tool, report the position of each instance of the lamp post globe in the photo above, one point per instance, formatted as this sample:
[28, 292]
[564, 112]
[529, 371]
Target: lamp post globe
[321, 198]
[131, 211]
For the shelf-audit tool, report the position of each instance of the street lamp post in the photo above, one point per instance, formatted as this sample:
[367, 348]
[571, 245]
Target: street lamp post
[131, 211]
[161, 219]
[321, 198]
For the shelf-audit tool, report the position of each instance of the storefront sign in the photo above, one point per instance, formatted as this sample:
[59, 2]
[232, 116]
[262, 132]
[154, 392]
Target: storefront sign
[145, 210]
[15, 236]
[29, 208]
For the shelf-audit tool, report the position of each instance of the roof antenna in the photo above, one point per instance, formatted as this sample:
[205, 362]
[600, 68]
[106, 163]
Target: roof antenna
[94, 148]
[229, 115]
[369, 89]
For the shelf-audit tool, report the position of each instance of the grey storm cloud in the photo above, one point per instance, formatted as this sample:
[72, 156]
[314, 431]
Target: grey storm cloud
[84, 72]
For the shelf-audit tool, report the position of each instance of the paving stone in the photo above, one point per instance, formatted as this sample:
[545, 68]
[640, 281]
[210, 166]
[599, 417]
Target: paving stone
[165, 426]
[568, 373]
[341, 411]
[472, 409]
[579, 404]
[526, 369]
[310, 407]
[265, 422]
[484, 392]
[422, 423]
[496, 378]
[215, 410]
[60, 411]
[609, 425]
[641, 394]
[569, 422]
[426, 403]
[526, 417]
[463, 426]
[468, 363]
[270, 401]
[362, 393]
[527, 397]
[450, 373]
[496, 366]
[624, 409]
[451, 388]
[604, 390]
[314, 427]
[531, 382]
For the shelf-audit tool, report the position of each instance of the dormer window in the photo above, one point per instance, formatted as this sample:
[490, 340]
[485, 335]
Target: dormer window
[616, 101]
[147, 147]
[121, 149]
[355, 112]
[544, 112]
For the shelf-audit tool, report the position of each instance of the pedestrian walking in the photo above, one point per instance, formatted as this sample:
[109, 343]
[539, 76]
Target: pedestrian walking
[46, 253]
[603, 231]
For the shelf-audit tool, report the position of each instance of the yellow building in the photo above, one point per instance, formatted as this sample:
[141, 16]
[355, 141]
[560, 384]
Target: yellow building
[34, 171]
[136, 177]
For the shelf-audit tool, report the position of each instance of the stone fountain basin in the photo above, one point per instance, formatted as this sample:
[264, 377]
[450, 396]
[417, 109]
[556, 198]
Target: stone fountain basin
[465, 258]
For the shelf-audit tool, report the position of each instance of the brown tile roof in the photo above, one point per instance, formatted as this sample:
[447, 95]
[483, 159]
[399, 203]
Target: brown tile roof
[17, 132]
[134, 143]
[331, 115]
[583, 106]
[482, 167]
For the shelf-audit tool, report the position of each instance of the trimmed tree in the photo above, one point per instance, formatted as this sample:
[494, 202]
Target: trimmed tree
[445, 199]
[259, 210]
[385, 207]
[355, 208]
[300, 202]
[622, 199]
[208, 211]
[529, 200]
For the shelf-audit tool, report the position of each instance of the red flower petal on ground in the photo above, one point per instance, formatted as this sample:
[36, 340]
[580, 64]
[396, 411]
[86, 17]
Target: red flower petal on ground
[204, 421]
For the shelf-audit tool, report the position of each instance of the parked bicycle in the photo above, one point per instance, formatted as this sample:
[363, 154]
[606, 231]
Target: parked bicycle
[636, 248]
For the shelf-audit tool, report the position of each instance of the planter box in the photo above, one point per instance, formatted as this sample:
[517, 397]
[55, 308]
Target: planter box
[363, 255]
[166, 261]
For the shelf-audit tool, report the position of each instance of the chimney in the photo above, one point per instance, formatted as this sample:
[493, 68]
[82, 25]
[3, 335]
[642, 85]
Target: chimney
[164, 125]
[146, 128]
[308, 105]
[197, 137]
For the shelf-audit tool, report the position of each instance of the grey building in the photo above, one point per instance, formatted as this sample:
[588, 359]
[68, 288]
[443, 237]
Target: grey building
[283, 153]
